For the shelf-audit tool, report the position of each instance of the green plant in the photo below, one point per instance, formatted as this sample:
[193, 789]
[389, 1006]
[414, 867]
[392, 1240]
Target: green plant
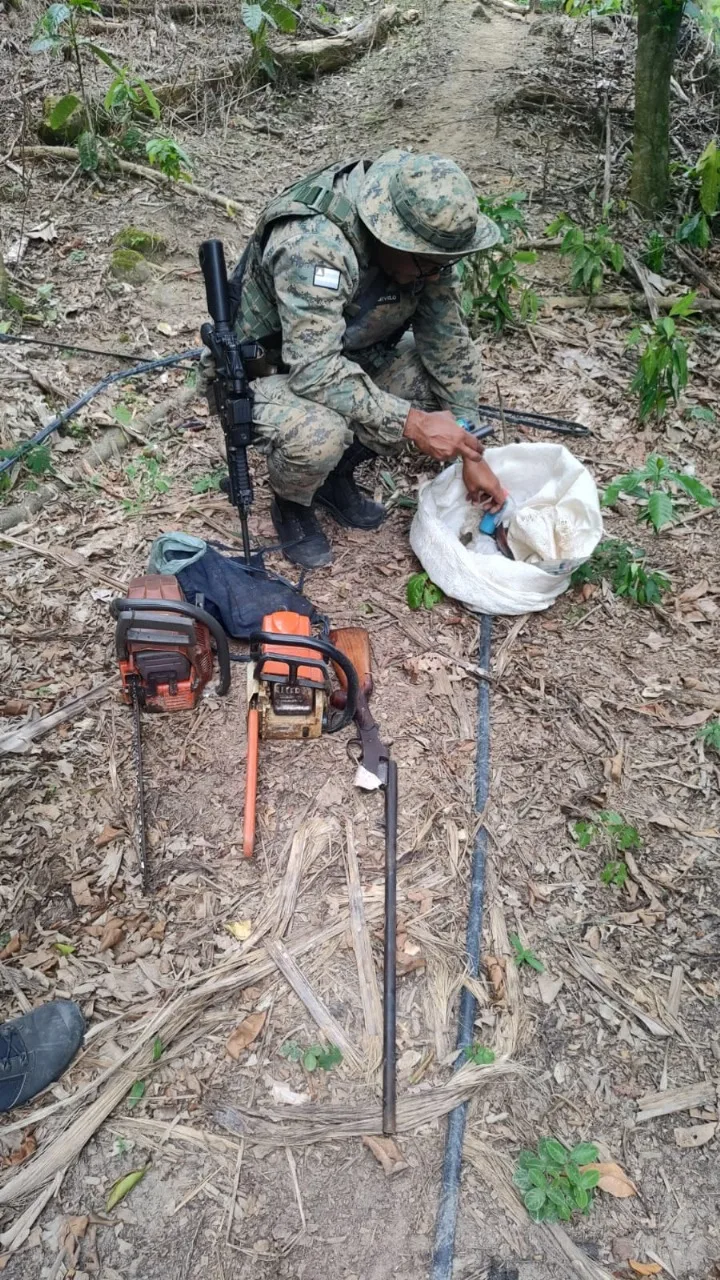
[208, 483]
[590, 252]
[479, 1055]
[136, 1093]
[584, 8]
[653, 487]
[609, 826]
[615, 872]
[704, 177]
[553, 1182]
[710, 734]
[489, 279]
[148, 480]
[421, 591]
[318, 1055]
[169, 158]
[37, 462]
[259, 19]
[662, 370]
[653, 254]
[622, 566]
[523, 955]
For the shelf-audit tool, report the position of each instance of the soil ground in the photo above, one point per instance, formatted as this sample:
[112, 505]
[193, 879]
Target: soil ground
[595, 705]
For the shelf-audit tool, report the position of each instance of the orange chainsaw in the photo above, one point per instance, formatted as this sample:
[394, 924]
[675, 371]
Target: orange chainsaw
[164, 651]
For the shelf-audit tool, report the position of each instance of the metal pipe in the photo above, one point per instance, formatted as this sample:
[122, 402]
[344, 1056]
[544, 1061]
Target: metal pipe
[446, 1222]
[389, 1119]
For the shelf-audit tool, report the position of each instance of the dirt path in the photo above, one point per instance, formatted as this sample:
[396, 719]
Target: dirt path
[590, 704]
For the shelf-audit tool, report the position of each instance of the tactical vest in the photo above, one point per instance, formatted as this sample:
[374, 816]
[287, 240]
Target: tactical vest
[254, 310]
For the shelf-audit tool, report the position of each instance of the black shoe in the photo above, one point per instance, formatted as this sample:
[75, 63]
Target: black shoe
[298, 529]
[340, 494]
[36, 1048]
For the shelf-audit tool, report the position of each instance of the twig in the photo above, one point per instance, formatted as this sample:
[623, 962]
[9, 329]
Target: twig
[296, 1185]
[227, 203]
[689, 262]
[651, 296]
[19, 739]
[607, 176]
[623, 302]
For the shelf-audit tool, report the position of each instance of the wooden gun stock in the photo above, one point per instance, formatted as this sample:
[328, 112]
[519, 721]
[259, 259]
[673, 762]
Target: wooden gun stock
[354, 642]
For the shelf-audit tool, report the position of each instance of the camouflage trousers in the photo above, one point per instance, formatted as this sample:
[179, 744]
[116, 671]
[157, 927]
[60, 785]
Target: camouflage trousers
[304, 441]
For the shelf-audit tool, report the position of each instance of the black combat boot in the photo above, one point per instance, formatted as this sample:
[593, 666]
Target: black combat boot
[340, 494]
[299, 531]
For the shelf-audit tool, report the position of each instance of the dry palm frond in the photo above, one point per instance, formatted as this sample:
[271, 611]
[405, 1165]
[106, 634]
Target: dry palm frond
[294, 1126]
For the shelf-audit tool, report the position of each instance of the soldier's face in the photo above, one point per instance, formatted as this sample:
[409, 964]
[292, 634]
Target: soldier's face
[406, 268]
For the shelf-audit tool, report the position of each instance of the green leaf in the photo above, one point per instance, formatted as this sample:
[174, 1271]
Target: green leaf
[698, 491]
[65, 948]
[479, 1054]
[415, 590]
[136, 1093]
[62, 111]
[534, 1201]
[158, 1049]
[589, 1178]
[432, 595]
[124, 1186]
[708, 166]
[291, 1050]
[522, 1180]
[553, 1151]
[285, 18]
[584, 1153]
[660, 509]
[87, 151]
[581, 1198]
[150, 98]
[684, 306]
[327, 1058]
[584, 833]
[103, 56]
[310, 1061]
[252, 16]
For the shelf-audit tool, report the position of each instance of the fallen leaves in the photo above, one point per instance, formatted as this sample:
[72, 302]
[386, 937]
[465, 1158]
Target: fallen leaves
[388, 1153]
[120, 1189]
[27, 1148]
[244, 1034]
[645, 1268]
[240, 930]
[107, 835]
[112, 934]
[613, 1180]
[696, 1136]
[11, 948]
[495, 967]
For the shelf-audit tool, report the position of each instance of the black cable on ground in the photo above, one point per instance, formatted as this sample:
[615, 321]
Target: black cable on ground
[164, 362]
[65, 346]
[446, 1222]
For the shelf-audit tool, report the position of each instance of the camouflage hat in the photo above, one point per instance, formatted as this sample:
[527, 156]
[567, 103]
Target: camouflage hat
[425, 205]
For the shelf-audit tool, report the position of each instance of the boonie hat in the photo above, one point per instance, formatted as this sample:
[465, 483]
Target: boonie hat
[423, 204]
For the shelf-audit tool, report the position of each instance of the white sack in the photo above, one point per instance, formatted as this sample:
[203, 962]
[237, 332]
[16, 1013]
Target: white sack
[555, 526]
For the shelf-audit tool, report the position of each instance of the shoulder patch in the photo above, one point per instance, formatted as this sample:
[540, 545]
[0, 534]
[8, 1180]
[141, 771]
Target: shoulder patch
[326, 278]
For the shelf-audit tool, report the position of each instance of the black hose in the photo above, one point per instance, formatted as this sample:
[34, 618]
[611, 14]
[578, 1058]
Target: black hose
[446, 1222]
[163, 362]
[66, 346]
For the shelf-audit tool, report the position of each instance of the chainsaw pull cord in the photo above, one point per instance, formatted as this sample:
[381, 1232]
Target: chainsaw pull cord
[128, 607]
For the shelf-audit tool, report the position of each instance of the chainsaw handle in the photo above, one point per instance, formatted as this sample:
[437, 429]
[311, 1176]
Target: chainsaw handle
[354, 642]
[123, 611]
[327, 650]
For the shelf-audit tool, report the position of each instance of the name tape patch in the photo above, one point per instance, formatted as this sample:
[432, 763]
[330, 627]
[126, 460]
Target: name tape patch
[326, 278]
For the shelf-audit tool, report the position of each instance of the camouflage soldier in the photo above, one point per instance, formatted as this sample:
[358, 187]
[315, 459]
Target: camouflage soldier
[348, 284]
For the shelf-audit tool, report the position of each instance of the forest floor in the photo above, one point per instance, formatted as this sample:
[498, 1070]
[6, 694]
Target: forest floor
[595, 706]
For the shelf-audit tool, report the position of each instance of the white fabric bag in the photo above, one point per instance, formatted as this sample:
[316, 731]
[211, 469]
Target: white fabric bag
[555, 525]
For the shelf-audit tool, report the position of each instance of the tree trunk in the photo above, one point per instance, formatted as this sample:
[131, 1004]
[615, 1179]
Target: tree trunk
[658, 25]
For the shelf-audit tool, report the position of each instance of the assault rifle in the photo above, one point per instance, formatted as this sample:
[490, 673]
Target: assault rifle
[229, 393]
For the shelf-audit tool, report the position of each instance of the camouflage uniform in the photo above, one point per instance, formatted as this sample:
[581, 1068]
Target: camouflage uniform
[332, 319]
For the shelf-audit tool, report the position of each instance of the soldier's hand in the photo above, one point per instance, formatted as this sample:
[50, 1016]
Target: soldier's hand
[439, 436]
[483, 485]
